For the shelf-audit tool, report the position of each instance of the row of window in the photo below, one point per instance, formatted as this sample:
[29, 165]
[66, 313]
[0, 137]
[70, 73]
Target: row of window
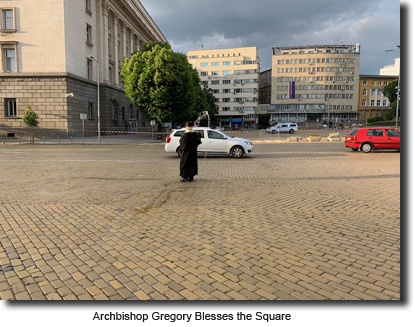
[235, 82]
[316, 87]
[235, 91]
[373, 92]
[316, 96]
[229, 72]
[240, 109]
[238, 100]
[378, 83]
[296, 107]
[311, 61]
[377, 103]
[212, 56]
[228, 63]
[10, 110]
[313, 70]
[312, 79]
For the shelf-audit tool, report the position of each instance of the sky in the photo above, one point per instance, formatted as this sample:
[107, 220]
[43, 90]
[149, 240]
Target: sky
[215, 24]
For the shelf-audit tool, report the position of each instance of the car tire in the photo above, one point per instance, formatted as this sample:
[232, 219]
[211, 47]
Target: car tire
[274, 131]
[291, 131]
[366, 147]
[179, 152]
[237, 152]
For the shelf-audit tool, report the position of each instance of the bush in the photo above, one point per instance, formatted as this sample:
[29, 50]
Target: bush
[374, 120]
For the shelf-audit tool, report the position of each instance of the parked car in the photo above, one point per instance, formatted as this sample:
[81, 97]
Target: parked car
[213, 142]
[373, 138]
[283, 128]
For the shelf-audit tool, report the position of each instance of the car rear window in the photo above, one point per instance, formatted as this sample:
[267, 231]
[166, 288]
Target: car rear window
[392, 132]
[354, 132]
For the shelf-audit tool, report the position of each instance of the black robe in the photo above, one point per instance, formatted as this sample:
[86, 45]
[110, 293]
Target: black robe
[188, 161]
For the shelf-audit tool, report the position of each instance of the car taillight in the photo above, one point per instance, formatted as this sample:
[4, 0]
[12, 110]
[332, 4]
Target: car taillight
[168, 139]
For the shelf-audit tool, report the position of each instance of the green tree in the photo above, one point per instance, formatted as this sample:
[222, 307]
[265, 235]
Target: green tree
[161, 83]
[31, 119]
[390, 91]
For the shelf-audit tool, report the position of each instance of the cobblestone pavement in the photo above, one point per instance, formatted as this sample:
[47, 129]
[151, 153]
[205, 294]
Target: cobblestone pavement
[293, 222]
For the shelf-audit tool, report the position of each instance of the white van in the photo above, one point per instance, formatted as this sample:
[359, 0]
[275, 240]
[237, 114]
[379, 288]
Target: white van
[213, 142]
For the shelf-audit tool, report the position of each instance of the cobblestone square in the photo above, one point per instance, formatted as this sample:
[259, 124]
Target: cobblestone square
[113, 222]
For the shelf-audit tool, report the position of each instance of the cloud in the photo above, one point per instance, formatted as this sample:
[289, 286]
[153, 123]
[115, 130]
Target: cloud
[272, 23]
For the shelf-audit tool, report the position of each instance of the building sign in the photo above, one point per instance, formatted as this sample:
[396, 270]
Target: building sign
[291, 90]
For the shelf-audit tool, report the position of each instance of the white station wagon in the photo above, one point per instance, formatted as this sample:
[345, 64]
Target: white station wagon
[213, 142]
[283, 128]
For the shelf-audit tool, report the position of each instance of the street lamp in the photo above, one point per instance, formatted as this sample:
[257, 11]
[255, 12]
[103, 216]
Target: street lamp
[398, 91]
[99, 116]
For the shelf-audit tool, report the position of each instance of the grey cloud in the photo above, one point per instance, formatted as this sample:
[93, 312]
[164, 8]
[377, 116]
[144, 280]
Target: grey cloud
[268, 23]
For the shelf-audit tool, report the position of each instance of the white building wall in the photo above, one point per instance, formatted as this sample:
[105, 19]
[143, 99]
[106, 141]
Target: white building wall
[391, 70]
[39, 35]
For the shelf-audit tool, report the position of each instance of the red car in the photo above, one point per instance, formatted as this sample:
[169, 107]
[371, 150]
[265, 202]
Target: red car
[373, 138]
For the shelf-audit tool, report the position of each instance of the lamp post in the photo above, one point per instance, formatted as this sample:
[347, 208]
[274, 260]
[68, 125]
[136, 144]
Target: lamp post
[99, 116]
[398, 91]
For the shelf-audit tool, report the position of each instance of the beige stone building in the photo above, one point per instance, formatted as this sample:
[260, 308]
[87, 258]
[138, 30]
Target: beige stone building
[51, 55]
[233, 75]
[372, 101]
[315, 83]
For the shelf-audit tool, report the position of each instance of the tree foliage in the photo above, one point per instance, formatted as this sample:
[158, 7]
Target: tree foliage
[390, 91]
[31, 119]
[161, 83]
[206, 102]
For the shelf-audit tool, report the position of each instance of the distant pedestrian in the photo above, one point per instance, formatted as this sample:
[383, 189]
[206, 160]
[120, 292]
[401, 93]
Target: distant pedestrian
[189, 142]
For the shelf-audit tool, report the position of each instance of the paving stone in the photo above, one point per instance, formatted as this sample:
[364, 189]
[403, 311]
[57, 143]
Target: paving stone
[341, 240]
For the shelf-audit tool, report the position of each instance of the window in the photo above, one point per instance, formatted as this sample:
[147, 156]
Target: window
[204, 64]
[215, 82]
[226, 81]
[9, 60]
[131, 112]
[7, 20]
[364, 82]
[215, 73]
[88, 34]
[375, 132]
[215, 64]
[203, 73]
[215, 135]
[10, 108]
[90, 110]
[364, 92]
[226, 72]
[393, 132]
[226, 63]
[364, 103]
[88, 5]
[123, 113]
[89, 69]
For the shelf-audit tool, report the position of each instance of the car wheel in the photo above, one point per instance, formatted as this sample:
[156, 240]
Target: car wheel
[366, 147]
[291, 131]
[179, 152]
[274, 131]
[355, 149]
[237, 152]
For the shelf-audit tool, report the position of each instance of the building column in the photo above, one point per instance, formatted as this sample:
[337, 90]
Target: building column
[104, 61]
[116, 50]
[131, 42]
[123, 42]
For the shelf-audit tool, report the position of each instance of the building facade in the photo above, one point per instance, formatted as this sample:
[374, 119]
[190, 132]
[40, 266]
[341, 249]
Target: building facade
[391, 70]
[315, 83]
[372, 101]
[233, 75]
[52, 54]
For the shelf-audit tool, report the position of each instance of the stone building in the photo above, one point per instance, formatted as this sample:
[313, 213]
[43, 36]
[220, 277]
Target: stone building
[372, 101]
[315, 83]
[233, 75]
[51, 56]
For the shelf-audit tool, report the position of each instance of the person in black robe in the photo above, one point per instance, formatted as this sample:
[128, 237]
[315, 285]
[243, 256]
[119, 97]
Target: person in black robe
[189, 142]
